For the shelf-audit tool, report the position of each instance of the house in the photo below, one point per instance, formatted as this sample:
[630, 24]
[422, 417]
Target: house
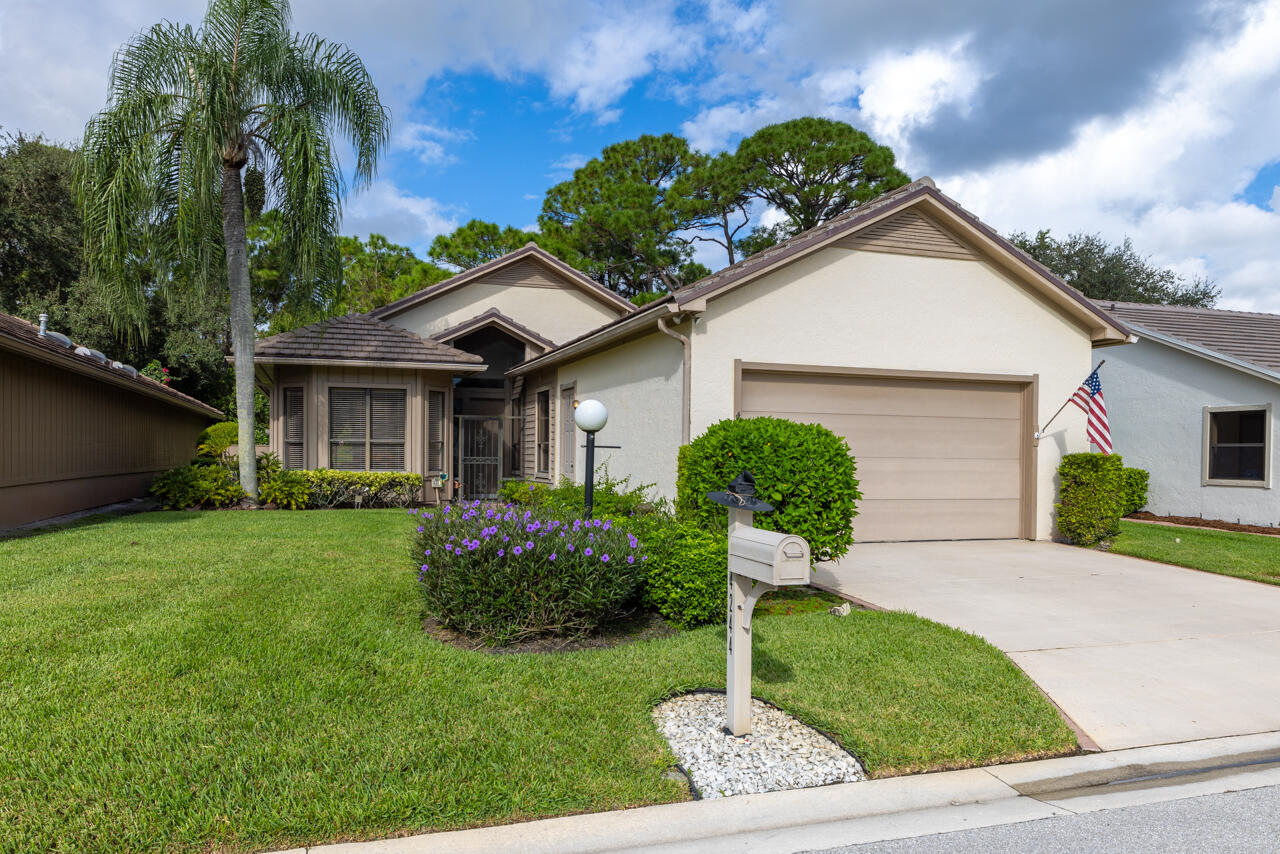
[79, 430]
[906, 325]
[1193, 403]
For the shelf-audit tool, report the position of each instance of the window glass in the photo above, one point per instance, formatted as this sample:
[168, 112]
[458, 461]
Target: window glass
[366, 429]
[1237, 445]
[544, 431]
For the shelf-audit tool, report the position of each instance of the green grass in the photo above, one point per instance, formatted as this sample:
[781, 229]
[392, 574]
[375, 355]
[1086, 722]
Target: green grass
[1252, 556]
[238, 681]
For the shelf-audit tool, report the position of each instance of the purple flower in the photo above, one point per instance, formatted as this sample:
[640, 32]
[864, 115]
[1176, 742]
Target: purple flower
[551, 556]
[631, 558]
[607, 524]
[516, 550]
[587, 551]
[604, 558]
[419, 529]
[570, 546]
[424, 567]
[427, 552]
[502, 552]
[505, 538]
[529, 544]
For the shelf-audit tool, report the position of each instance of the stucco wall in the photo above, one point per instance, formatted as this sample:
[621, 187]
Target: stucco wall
[555, 313]
[1155, 401]
[640, 384]
[877, 310]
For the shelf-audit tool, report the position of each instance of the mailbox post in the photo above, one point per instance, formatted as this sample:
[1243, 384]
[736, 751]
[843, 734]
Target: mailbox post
[759, 561]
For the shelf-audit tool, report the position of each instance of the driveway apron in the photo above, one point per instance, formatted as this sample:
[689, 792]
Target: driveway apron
[1134, 652]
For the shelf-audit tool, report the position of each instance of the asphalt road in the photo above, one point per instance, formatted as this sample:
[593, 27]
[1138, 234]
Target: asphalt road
[1247, 821]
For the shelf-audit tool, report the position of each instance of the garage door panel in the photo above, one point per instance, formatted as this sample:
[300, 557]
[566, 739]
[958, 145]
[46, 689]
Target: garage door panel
[895, 478]
[824, 395]
[908, 435]
[939, 519]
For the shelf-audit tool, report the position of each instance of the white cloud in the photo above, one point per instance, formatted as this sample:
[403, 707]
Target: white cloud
[427, 142]
[1274, 204]
[569, 162]
[401, 217]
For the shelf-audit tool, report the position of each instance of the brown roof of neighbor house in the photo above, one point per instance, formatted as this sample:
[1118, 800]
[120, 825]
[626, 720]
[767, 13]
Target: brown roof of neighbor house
[495, 318]
[693, 295]
[360, 338]
[530, 251]
[1249, 336]
[21, 336]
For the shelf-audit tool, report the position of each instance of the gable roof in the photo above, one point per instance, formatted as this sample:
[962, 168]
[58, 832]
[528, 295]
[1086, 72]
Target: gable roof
[529, 252]
[358, 339]
[1242, 339]
[920, 195]
[21, 336]
[493, 317]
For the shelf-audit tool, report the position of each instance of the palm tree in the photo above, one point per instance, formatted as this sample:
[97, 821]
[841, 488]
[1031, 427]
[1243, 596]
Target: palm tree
[188, 110]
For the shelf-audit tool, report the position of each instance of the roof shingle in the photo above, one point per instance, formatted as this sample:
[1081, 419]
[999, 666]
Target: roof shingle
[359, 338]
[1249, 336]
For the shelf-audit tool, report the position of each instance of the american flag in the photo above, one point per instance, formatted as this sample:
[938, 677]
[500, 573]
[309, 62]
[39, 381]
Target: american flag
[1089, 398]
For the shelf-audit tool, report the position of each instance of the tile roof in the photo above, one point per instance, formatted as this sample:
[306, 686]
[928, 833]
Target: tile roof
[358, 338]
[15, 329]
[1249, 336]
[483, 319]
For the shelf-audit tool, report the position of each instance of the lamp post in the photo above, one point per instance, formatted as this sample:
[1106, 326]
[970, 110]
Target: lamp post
[590, 416]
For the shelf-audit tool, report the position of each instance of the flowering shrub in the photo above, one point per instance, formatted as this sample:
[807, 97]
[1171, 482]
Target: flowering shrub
[157, 372]
[502, 574]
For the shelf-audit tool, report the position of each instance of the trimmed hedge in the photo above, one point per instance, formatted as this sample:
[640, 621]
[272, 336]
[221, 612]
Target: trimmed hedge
[1135, 483]
[288, 490]
[687, 576]
[804, 470]
[204, 486]
[1091, 497]
[334, 488]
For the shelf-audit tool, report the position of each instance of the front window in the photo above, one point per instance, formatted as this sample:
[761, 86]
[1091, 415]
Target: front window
[366, 429]
[1237, 447]
[544, 432]
[294, 429]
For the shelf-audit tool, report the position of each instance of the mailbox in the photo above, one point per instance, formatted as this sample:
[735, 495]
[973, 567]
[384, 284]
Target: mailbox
[778, 559]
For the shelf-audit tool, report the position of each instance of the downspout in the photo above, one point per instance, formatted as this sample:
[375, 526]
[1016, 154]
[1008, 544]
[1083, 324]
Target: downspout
[686, 392]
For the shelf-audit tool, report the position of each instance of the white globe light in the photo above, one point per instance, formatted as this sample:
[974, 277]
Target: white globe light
[590, 416]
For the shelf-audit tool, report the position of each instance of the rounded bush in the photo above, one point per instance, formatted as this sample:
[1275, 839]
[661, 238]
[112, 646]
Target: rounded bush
[1135, 486]
[804, 470]
[1091, 497]
[216, 438]
[288, 490]
[687, 576]
[206, 486]
[501, 574]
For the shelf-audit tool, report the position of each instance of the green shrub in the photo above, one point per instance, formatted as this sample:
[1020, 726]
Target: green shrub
[502, 574]
[610, 497]
[205, 486]
[216, 438]
[334, 488]
[1091, 497]
[1135, 482]
[523, 493]
[804, 470]
[288, 490]
[687, 575]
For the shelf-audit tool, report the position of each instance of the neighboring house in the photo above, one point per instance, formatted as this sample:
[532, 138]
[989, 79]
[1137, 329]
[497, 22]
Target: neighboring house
[1193, 402]
[79, 430]
[907, 326]
[420, 384]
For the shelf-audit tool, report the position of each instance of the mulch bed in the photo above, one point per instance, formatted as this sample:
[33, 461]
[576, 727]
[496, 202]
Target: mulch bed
[641, 627]
[1197, 522]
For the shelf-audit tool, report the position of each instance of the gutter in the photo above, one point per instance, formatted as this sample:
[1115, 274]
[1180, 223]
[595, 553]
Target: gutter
[686, 393]
[456, 367]
[1205, 353]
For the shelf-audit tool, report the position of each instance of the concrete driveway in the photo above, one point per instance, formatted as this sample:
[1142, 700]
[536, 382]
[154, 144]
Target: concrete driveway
[1134, 652]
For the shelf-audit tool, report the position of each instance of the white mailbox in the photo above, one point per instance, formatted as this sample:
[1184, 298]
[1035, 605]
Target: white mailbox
[777, 559]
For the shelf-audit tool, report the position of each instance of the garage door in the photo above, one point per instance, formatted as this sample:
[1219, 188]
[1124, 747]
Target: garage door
[937, 459]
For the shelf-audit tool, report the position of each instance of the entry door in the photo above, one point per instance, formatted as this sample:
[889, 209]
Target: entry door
[937, 459]
[480, 454]
[568, 433]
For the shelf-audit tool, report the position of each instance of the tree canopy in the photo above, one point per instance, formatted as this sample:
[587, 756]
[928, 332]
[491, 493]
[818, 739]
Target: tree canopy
[476, 243]
[1105, 272]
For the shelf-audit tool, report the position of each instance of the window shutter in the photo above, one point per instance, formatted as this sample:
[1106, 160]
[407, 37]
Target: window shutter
[386, 437]
[348, 415]
[294, 429]
[435, 431]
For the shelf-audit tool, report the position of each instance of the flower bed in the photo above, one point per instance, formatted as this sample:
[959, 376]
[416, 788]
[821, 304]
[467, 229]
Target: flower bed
[500, 574]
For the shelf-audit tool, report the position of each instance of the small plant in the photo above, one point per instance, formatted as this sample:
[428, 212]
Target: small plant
[611, 497]
[216, 438]
[288, 490]
[804, 470]
[500, 574]
[1091, 497]
[523, 493]
[1135, 483]
[205, 486]
[686, 578]
[157, 372]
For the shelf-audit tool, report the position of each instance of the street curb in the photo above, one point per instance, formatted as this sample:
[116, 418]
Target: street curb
[888, 808]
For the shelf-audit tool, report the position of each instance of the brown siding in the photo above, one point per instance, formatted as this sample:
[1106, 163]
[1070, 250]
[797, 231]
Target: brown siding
[534, 383]
[68, 442]
[910, 233]
[525, 274]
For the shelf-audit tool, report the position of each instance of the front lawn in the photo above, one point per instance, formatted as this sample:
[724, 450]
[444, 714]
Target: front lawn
[1252, 556]
[237, 681]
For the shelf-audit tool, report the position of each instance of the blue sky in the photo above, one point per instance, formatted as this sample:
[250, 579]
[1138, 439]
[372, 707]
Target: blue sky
[1153, 119]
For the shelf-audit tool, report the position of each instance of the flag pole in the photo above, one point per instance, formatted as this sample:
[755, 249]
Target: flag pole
[1040, 432]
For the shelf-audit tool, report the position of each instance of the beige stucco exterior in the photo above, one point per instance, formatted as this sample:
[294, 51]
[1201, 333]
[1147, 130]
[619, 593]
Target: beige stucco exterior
[557, 313]
[640, 383]
[865, 309]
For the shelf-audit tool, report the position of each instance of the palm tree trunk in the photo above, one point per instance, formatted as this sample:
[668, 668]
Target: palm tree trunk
[242, 331]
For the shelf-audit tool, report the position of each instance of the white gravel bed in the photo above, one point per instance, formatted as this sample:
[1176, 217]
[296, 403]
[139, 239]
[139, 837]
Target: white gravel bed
[781, 753]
